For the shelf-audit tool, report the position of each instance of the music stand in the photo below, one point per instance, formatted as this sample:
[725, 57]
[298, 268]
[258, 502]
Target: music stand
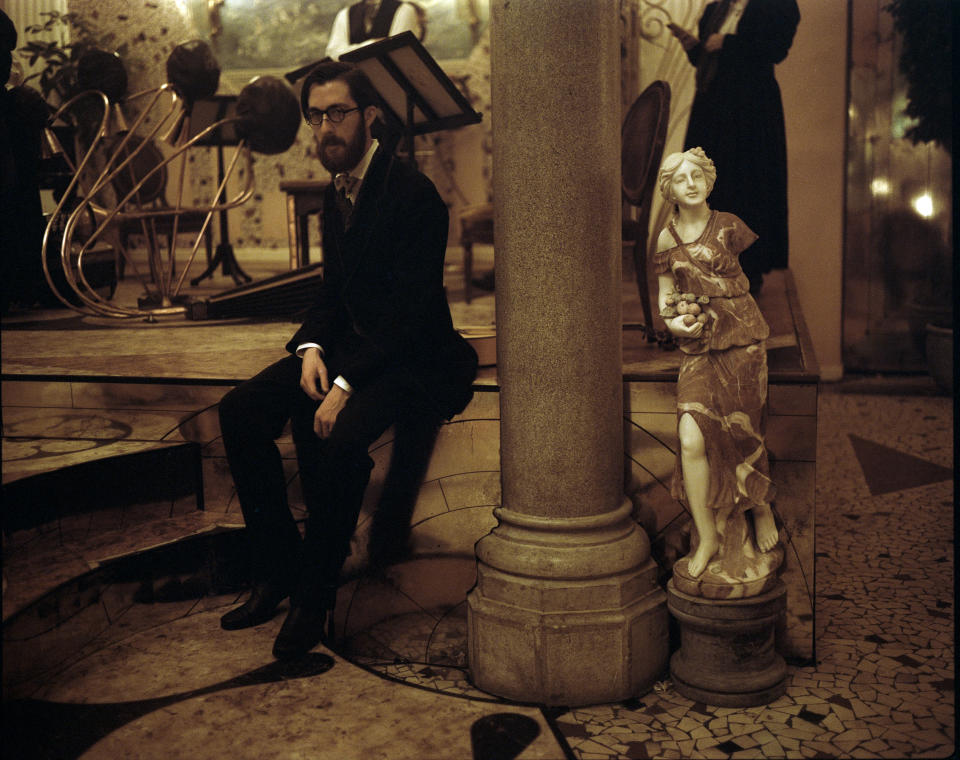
[299, 73]
[416, 95]
[203, 113]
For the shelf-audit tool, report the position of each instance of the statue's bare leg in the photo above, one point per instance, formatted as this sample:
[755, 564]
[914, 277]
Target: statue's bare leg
[765, 527]
[696, 482]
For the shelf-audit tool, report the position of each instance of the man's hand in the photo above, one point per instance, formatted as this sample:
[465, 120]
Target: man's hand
[326, 415]
[314, 369]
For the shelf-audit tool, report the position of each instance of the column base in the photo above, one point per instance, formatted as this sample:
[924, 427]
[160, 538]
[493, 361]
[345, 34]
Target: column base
[727, 656]
[567, 657]
[567, 612]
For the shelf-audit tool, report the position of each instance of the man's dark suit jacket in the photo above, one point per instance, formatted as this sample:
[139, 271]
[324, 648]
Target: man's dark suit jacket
[382, 306]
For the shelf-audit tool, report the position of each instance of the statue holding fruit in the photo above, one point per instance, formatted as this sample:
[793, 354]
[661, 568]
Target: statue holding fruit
[722, 472]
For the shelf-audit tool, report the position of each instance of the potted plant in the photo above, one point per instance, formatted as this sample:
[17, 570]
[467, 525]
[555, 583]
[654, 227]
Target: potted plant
[57, 79]
[926, 61]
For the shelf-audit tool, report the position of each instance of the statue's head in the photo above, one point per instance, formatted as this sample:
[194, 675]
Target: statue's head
[674, 161]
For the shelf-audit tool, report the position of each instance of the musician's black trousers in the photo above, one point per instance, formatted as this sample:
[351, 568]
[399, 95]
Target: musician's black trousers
[334, 472]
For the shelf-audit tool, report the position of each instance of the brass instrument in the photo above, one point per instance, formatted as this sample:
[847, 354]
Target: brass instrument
[120, 162]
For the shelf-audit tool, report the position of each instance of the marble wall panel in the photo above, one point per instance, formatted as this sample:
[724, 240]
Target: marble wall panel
[218, 489]
[103, 424]
[468, 446]
[485, 405]
[652, 443]
[36, 393]
[201, 426]
[795, 506]
[73, 529]
[109, 546]
[181, 505]
[650, 454]
[453, 533]
[135, 514]
[115, 517]
[650, 397]
[792, 438]
[151, 395]
[793, 399]
[431, 501]
[655, 508]
[471, 489]
[31, 457]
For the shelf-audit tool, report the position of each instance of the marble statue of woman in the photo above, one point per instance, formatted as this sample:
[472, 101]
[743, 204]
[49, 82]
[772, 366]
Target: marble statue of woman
[722, 472]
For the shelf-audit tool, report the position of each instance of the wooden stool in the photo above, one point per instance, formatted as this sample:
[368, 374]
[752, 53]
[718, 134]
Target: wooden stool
[304, 197]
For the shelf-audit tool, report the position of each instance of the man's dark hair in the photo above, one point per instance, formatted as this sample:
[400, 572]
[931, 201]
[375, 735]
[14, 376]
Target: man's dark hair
[359, 85]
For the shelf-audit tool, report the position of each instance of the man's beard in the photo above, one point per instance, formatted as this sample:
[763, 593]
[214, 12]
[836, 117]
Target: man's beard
[355, 148]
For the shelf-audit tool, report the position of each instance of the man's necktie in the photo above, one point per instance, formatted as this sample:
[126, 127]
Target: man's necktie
[344, 183]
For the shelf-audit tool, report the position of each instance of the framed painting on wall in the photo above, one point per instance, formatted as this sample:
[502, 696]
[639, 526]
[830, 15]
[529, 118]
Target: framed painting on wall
[251, 37]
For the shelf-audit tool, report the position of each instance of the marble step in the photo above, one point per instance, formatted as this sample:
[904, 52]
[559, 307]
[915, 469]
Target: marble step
[157, 479]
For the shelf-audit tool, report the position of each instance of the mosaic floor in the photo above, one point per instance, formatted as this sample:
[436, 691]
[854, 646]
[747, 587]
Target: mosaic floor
[162, 680]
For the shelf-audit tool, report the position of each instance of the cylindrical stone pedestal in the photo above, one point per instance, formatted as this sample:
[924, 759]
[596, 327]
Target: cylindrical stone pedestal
[566, 609]
[727, 656]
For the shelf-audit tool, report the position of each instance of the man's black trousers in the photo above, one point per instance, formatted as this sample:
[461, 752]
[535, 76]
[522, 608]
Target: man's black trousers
[334, 472]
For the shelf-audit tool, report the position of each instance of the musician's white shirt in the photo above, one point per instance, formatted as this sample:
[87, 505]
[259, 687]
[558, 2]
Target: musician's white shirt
[405, 19]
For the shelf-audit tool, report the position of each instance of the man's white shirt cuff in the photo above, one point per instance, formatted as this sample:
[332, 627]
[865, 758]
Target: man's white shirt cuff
[302, 348]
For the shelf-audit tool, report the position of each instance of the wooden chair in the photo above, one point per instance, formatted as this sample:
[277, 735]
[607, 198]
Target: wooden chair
[643, 136]
[476, 226]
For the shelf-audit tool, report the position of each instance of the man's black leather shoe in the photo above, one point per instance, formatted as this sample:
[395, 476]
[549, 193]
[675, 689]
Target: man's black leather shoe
[305, 627]
[259, 608]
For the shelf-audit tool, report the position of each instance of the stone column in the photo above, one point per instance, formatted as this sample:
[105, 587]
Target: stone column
[566, 609]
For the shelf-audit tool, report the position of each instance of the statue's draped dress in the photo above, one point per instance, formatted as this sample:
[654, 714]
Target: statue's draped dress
[723, 375]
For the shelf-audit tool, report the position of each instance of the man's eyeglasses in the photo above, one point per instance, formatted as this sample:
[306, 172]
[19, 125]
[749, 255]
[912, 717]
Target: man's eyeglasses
[334, 114]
